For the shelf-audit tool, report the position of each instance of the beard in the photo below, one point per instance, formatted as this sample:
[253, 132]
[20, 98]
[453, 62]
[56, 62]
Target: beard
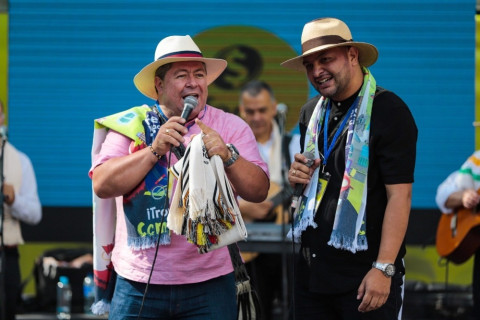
[338, 83]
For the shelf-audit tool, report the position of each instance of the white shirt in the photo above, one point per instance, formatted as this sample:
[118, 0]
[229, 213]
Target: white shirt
[273, 148]
[444, 190]
[26, 206]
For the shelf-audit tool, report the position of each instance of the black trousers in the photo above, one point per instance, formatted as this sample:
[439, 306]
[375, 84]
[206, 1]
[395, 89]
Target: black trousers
[344, 306]
[12, 282]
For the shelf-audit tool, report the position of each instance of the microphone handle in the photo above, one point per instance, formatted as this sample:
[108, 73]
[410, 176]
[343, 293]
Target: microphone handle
[179, 151]
[299, 187]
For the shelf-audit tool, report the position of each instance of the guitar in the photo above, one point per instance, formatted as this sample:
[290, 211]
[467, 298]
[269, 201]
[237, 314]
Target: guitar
[458, 235]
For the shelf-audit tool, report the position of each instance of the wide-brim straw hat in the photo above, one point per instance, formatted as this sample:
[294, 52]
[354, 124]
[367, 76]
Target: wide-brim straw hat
[326, 33]
[175, 49]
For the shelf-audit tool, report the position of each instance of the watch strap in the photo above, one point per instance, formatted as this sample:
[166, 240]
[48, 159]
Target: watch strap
[234, 156]
[388, 269]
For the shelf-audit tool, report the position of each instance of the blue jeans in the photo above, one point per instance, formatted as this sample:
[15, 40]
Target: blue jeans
[212, 299]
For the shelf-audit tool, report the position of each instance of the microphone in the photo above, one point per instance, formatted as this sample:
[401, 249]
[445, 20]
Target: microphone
[3, 132]
[282, 109]
[299, 186]
[281, 116]
[189, 103]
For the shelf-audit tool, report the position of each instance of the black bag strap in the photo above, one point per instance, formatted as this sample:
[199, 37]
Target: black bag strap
[248, 302]
[238, 265]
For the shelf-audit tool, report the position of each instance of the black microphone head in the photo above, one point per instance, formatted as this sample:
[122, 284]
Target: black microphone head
[190, 100]
[189, 103]
[310, 156]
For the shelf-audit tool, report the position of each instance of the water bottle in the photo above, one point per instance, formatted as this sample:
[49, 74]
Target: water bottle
[88, 293]
[64, 298]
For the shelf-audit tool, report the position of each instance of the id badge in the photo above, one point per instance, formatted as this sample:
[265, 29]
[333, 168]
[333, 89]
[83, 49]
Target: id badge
[323, 179]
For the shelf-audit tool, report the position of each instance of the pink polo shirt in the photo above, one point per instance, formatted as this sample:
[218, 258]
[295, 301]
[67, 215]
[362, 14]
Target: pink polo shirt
[179, 262]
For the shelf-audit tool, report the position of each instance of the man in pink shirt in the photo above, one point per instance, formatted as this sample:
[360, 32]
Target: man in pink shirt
[132, 187]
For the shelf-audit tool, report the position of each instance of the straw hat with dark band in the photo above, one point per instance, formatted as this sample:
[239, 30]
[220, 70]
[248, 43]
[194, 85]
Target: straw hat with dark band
[326, 33]
[175, 49]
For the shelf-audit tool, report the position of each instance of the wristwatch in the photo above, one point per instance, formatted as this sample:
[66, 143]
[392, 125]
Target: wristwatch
[388, 269]
[234, 156]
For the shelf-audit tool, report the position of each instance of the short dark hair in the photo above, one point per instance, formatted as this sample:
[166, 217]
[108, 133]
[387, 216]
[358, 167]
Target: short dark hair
[254, 87]
[162, 70]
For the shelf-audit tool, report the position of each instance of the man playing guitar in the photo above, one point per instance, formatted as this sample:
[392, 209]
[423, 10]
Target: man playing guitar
[458, 233]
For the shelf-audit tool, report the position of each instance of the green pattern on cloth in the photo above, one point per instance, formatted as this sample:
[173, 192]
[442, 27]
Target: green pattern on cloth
[469, 174]
[144, 207]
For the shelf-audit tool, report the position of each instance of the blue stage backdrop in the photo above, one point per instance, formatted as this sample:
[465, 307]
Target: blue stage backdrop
[73, 61]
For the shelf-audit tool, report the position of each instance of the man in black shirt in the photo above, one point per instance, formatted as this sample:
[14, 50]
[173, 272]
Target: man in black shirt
[353, 215]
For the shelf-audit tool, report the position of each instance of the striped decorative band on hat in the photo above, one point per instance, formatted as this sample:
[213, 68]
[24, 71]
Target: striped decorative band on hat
[180, 54]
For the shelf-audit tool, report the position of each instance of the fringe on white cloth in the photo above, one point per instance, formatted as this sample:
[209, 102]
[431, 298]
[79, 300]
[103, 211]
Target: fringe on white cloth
[204, 208]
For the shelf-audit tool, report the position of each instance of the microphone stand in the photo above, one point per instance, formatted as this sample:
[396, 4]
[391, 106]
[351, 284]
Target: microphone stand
[2, 244]
[281, 126]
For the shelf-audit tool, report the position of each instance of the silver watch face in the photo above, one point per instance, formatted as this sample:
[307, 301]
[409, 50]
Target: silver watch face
[390, 270]
[234, 156]
[233, 149]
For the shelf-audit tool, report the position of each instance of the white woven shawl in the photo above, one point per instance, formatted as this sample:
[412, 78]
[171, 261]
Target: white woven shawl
[203, 207]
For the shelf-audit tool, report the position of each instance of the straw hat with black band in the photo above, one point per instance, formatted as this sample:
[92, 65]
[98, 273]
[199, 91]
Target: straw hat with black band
[326, 33]
[175, 49]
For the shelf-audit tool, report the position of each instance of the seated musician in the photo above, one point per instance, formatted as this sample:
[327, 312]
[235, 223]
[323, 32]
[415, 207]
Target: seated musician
[258, 107]
[458, 191]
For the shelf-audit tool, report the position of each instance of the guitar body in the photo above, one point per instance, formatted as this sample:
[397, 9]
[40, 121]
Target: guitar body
[459, 243]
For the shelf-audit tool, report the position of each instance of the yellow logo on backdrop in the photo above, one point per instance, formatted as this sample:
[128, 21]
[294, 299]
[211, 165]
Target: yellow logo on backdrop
[253, 53]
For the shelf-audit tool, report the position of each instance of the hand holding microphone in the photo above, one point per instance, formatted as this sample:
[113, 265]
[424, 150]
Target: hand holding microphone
[189, 103]
[299, 186]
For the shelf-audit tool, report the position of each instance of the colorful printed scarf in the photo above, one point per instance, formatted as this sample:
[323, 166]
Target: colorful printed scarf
[145, 207]
[349, 228]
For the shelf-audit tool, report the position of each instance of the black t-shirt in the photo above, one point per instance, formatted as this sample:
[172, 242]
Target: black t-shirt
[392, 147]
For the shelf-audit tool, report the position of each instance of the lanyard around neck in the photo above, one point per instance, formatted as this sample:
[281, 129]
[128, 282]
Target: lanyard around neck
[326, 148]
[160, 113]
